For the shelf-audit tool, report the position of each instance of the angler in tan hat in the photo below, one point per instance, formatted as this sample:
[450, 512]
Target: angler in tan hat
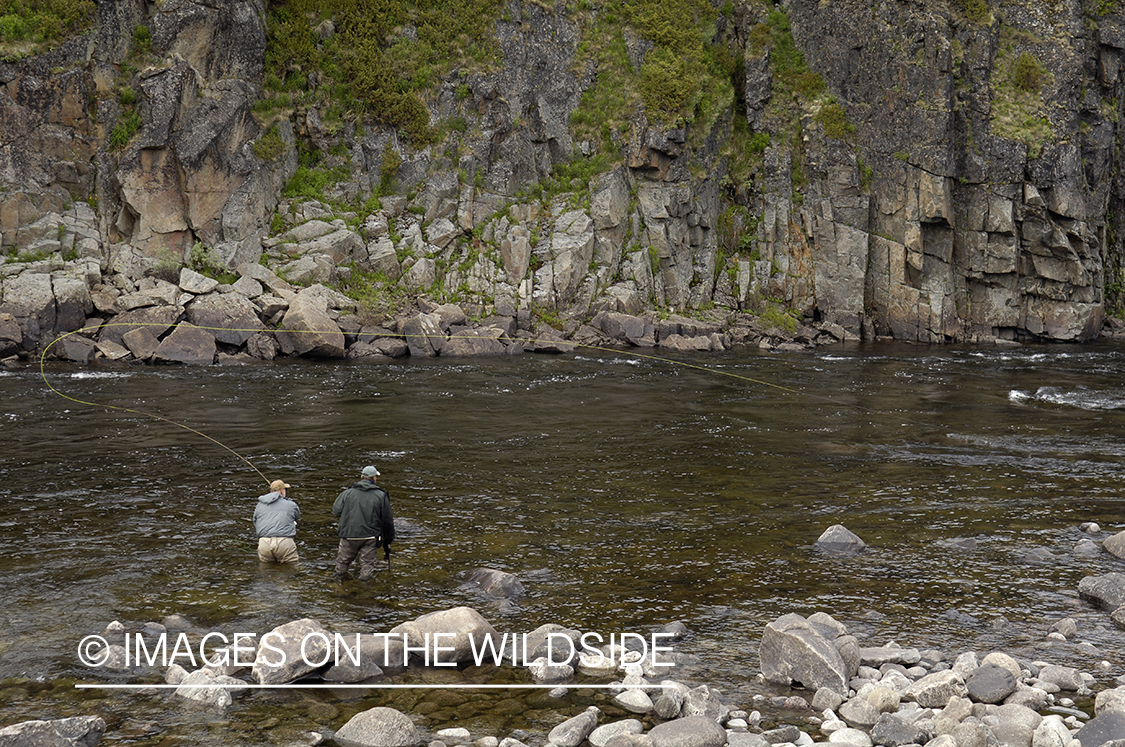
[275, 520]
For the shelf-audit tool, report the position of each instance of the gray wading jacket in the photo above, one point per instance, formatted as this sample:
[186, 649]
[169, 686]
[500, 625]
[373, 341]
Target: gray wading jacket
[275, 516]
[364, 510]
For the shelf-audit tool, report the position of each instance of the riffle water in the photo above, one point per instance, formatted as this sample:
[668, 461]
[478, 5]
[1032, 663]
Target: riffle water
[625, 491]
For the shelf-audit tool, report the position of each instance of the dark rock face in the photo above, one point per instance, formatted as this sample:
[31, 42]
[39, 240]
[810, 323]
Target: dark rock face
[959, 203]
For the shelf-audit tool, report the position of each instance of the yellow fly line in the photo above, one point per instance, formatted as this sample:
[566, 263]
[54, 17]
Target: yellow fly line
[134, 411]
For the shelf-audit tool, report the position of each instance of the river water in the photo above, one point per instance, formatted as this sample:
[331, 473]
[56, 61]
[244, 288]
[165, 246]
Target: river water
[625, 491]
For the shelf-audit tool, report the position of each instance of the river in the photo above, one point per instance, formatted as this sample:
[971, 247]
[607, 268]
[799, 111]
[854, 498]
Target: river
[625, 491]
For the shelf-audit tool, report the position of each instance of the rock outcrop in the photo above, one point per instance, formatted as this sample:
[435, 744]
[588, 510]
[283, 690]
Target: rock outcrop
[948, 175]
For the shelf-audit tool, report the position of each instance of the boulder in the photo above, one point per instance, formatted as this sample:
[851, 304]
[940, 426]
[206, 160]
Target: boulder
[625, 328]
[195, 283]
[693, 731]
[601, 736]
[280, 658]
[77, 731]
[201, 686]
[462, 630]
[187, 344]
[634, 700]
[937, 689]
[575, 730]
[892, 731]
[859, 713]
[1051, 732]
[156, 319]
[500, 584]
[1110, 700]
[140, 342]
[307, 329]
[422, 332]
[72, 303]
[75, 348]
[11, 336]
[1067, 678]
[266, 277]
[1014, 725]
[471, 342]
[1106, 591]
[792, 650]
[230, 317]
[341, 246]
[990, 684]
[1115, 545]
[837, 540]
[1107, 726]
[704, 701]
[362, 661]
[442, 232]
[378, 727]
[542, 670]
[682, 344]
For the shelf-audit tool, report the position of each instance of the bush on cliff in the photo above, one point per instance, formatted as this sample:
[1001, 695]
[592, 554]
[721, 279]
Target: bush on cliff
[43, 20]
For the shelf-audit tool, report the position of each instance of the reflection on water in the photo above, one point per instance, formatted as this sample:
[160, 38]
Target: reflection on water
[625, 491]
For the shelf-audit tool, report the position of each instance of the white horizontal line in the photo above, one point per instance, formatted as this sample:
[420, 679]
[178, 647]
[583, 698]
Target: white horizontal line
[318, 686]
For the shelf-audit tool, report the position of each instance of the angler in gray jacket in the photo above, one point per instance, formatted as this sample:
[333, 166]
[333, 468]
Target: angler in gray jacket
[275, 520]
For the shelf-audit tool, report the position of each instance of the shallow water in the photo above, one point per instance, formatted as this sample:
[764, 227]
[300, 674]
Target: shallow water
[625, 491]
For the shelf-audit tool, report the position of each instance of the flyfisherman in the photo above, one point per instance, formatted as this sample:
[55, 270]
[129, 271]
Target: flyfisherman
[275, 520]
[364, 511]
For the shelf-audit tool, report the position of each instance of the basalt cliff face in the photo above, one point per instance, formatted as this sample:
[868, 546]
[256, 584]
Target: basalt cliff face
[929, 171]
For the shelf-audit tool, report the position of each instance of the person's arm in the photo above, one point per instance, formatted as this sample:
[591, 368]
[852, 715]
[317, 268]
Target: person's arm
[338, 506]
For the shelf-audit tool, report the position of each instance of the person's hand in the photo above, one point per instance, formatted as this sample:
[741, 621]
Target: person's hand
[387, 553]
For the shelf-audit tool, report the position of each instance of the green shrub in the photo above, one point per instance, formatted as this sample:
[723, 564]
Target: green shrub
[974, 10]
[142, 40]
[309, 183]
[270, 146]
[1027, 73]
[834, 120]
[125, 130]
[43, 20]
[127, 96]
[12, 28]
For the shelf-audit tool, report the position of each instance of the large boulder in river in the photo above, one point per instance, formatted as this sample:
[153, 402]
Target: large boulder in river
[378, 727]
[77, 731]
[838, 540]
[499, 584]
[452, 635]
[291, 651]
[1106, 591]
[792, 650]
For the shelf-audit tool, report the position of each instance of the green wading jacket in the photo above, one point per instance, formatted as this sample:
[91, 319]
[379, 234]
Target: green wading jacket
[364, 511]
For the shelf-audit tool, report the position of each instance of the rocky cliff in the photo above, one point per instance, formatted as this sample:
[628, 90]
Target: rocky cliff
[932, 171]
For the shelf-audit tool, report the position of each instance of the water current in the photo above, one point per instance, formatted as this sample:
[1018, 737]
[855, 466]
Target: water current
[625, 491]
